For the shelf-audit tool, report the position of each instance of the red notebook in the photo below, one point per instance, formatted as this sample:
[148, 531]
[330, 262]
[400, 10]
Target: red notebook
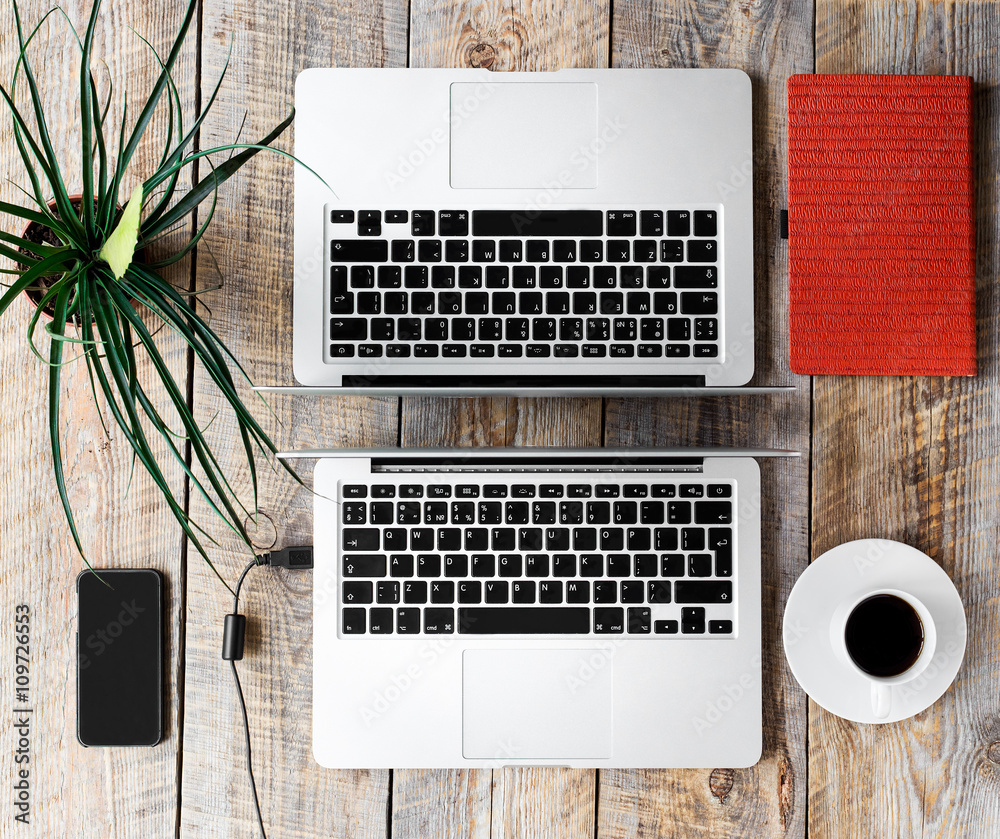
[880, 225]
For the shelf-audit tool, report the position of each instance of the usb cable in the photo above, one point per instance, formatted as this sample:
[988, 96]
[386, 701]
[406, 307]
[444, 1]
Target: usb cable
[234, 633]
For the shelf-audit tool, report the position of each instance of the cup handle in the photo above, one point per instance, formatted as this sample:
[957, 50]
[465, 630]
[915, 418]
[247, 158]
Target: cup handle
[881, 700]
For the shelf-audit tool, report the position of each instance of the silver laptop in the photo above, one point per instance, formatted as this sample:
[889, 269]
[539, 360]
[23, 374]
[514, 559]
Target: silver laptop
[571, 607]
[583, 230]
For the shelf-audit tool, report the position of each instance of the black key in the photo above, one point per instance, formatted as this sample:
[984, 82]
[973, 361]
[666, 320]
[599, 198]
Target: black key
[571, 512]
[543, 329]
[612, 539]
[354, 621]
[545, 223]
[678, 329]
[636, 490]
[511, 250]
[598, 329]
[436, 512]
[522, 592]
[637, 538]
[705, 350]
[591, 565]
[608, 491]
[477, 303]
[720, 540]
[523, 276]
[678, 223]
[665, 627]
[341, 302]
[342, 216]
[516, 329]
[592, 250]
[438, 491]
[630, 276]
[449, 539]
[396, 216]
[605, 276]
[557, 539]
[598, 512]
[415, 276]
[644, 250]
[408, 329]
[543, 512]
[606, 592]
[609, 619]
[706, 329]
[522, 491]
[470, 276]
[510, 351]
[594, 351]
[578, 591]
[706, 223]
[358, 592]
[435, 329]
[703, 591]
[666, 539]
[490, 329]
[671, 250]
[361, 539]
[369, 303]
[645, 565]
[442, 591]
[453, 223]
[429, 250]
[536, 565]
[538, 351]
[529, 302]
[456, 565]
[422, 539]
[672, 565]
[516, 512]
[422, 223]
[584, 539]
[584, 303]
[700, 565]
[354, 491]
[619, 250]
[657, 591]
[470, 591]
[564, 250]
[618, 565]
[639, 621]
[462, 329]
[502, 538]
[497, 591]
[702, 251]
[665, 303]
[624, 329]
[564, 565]
[612, 303]
[394, 538]
[395, 302]
[720, 627]
[428, 565]
[498, 276]
[509, 565]
[456, 250]
[370, 351]
[550, 591]
[538, 250]
[401, 565]
[513, 620]
[364, 565]
[679, 512]
[693, 620]
[713, 512]
[570, 329]
[439, 621]
[484, 250]
[369, 217]
[359, 250]
[651, 512]
[408, 512]
[658, 276]
[621, 222]
[692, 539]
[483, 565]
[362, 276]
[407, 621]
[490, 512]
[414, 591]
[622, 350]
[651, 222]
[341, 351]
[403, 250]
[637, 303]
[625, 512]
[467, 491]
[390, 276]
[557, 303]
[529, 538]
[696, 276]
[381, 621]
[678, 351]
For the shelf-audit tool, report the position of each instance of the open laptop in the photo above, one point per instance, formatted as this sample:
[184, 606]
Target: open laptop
[571, 607]
[581, 232]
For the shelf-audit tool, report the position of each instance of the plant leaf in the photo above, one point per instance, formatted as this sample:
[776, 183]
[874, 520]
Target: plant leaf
[120, 247]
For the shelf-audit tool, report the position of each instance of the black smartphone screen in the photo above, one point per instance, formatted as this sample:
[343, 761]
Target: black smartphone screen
[120, 657]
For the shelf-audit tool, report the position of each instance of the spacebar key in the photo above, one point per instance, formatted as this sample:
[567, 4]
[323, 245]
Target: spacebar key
[524, 620]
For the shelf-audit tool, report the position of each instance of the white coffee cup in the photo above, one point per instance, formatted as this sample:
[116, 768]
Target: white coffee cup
[881, 686]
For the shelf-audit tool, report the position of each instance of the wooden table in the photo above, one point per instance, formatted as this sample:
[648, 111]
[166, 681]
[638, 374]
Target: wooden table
[906, 458]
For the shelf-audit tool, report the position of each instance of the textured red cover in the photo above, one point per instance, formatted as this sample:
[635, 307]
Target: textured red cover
[880, 225]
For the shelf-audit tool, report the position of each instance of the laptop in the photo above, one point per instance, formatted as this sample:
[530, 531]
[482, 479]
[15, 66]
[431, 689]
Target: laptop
[568, 607]
[575, 232]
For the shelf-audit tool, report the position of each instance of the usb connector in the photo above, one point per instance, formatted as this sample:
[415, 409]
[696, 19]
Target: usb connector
[295, 558]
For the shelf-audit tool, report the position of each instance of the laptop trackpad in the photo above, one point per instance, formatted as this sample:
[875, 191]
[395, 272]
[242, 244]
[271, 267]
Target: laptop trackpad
[537, 704]
[534, 135]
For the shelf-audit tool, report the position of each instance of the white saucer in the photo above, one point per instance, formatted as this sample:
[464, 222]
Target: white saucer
[841, 576]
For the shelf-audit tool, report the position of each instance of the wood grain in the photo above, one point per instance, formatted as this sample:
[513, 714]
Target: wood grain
[769, 42]
[123, 792]
[917, 460]
[251, 239]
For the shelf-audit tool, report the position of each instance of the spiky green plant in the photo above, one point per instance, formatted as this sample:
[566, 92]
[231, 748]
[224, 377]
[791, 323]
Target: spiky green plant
[106, 305]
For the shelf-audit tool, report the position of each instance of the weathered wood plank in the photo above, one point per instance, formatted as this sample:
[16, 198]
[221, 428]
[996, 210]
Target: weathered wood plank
[122, 792]
[769, 42]
[252, 240]
[917, 460]
[525, 36]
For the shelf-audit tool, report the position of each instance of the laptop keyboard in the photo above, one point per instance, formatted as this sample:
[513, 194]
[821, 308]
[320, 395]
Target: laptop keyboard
[524, 284]
[590, 557]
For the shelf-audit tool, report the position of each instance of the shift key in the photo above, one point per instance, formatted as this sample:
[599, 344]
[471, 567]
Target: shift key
[359, 250]
[703, 591]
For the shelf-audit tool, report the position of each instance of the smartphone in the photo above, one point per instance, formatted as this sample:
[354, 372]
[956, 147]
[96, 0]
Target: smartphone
[119, 647]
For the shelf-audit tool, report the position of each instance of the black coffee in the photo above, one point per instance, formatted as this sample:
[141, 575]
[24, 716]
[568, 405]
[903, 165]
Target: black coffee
[884, 635]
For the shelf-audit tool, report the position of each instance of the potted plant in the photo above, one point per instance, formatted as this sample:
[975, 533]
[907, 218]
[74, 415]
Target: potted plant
[84, 262]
